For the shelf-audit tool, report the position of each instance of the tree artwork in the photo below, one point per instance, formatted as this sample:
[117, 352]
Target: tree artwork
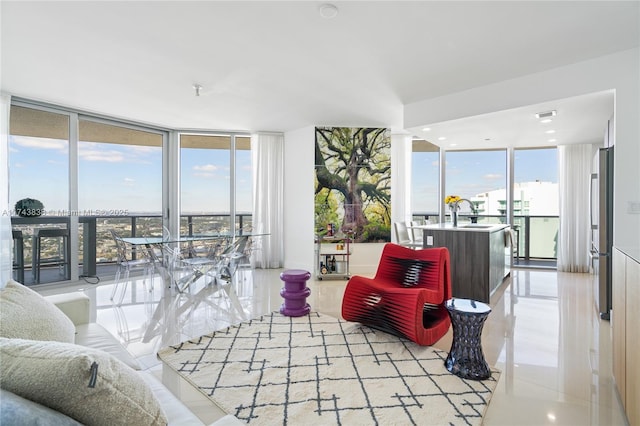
[353, 182]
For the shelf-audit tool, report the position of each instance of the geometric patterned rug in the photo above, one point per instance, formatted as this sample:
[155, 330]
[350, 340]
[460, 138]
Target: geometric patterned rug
[319, 370]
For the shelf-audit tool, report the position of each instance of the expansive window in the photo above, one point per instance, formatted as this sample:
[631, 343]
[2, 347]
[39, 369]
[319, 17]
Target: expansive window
[480, 176]
[119, 182]
[39, 170]
[535, 201]
[215, 183]
[94, 175]
[425, 178]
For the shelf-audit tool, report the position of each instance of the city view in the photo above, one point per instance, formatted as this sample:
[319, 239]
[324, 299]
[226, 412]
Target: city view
[131, 161]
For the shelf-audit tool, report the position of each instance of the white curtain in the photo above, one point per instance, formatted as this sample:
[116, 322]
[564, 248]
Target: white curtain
[6, 240]
[267, 152]
[574, 179]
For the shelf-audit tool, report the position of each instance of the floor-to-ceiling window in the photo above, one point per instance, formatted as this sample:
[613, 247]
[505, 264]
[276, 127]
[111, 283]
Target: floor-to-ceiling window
[425, 178]
[535, 202]
[215, 183]
[94, 174]
[119, 183]
[39, 170]
[481, 177]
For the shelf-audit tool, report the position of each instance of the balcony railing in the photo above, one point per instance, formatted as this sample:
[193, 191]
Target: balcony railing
[537, 235]
[96, 246]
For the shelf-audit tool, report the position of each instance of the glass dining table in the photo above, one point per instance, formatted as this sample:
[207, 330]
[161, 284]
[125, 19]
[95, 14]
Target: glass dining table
[183, 267]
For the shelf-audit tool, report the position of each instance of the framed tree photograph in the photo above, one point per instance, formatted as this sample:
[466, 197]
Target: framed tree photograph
[353, 182]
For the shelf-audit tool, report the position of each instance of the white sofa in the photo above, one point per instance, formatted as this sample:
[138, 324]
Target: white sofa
[20, 306]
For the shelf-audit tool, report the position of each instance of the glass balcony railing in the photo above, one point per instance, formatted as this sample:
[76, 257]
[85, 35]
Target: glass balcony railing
[537, 235]
[96, 247]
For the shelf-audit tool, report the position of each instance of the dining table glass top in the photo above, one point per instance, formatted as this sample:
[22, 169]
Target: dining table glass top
[185, 238]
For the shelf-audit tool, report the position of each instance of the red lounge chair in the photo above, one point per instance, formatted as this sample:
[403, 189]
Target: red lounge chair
[407, 295]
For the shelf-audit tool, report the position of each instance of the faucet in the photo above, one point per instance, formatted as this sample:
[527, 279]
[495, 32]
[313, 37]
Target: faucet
[454, 214]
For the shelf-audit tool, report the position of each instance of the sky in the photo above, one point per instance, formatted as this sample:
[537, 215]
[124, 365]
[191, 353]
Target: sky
[469, 173]
[123, 179]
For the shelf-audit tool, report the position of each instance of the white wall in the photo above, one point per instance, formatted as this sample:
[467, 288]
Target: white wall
[400, 179]
[299, 220]
[619, 72]
[298, 198]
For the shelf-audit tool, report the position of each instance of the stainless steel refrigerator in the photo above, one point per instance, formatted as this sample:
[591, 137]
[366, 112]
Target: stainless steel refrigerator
[602, 226]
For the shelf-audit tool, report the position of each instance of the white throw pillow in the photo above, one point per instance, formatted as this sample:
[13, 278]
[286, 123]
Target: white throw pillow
[25, 314]
[86, 384]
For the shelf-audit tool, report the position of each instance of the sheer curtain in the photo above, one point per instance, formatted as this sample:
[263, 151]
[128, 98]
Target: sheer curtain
[6, 240]
[267, 152]
[574, 236]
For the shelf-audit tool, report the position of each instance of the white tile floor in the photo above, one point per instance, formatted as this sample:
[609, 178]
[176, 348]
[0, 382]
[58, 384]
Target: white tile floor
[544, 334]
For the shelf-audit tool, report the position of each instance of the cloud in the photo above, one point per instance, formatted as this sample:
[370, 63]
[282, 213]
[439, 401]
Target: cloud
[129, 182]
[40, 143]
[204, 175]
[108, 156]
[114, 153]
[207, 168]
[493, 176]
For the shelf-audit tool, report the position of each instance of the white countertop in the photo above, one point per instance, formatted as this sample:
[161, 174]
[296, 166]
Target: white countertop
[465, 226]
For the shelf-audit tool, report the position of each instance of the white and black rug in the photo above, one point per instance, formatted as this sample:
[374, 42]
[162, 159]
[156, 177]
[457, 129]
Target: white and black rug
[318, 370]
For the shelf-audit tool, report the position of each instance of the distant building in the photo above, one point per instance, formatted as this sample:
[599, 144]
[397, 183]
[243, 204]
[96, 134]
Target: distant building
[529, 199]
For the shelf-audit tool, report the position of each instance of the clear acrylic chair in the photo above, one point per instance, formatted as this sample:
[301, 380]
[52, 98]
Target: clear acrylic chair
[232, 257]
[127, 264]
[184, 270]
[402, 236]
[416, 234]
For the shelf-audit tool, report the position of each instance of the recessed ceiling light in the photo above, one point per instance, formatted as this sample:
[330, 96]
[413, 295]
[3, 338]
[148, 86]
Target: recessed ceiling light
[328, 11]
[552, 140]
[426, 129]
[442, 138]
[550, 131]
[546, 120]
[546, 114]
[453, 144]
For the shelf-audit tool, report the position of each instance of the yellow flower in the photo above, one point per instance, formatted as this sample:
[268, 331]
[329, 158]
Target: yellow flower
[451, 199]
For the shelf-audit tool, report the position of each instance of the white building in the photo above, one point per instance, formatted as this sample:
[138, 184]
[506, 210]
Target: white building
[529, 199]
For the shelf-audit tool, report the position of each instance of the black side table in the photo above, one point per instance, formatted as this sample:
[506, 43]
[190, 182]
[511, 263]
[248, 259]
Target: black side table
[465, 358]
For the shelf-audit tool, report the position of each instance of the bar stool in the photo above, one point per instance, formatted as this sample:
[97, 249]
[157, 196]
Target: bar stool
[62, 259]
[18, 255]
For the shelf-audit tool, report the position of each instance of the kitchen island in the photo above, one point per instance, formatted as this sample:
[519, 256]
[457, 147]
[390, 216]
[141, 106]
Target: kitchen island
[480, 259]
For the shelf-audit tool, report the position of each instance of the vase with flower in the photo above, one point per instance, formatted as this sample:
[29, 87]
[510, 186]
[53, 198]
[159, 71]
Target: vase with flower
[452, 202]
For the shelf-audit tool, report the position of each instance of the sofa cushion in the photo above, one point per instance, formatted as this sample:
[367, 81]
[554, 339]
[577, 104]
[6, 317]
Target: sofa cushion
[25, 314]
[18, 411]
[86, 384]
[177, 413]
[95, 336]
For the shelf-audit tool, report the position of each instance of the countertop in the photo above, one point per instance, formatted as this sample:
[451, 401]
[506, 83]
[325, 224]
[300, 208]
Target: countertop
[468, 227]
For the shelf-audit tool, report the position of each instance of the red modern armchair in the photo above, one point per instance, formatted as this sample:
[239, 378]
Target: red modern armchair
[407, 295]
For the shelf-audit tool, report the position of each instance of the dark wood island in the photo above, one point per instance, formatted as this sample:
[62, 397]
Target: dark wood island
[480, 259]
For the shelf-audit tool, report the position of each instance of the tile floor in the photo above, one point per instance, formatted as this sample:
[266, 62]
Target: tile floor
[544, 334]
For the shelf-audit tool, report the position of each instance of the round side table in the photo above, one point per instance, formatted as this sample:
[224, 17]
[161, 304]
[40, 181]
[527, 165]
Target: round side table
[465, 358]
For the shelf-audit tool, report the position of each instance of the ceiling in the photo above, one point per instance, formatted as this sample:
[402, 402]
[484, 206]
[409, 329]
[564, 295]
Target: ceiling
[280, 66]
